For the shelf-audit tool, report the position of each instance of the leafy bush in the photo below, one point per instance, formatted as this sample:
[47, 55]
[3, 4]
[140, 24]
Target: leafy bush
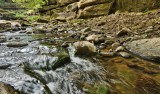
[1, 1]
[31, 4]
[33, 18]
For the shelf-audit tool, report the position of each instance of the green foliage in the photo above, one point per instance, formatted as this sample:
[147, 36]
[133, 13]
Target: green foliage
[23, 15]
[20, 15]
[33, 18]
[1, 1]
[31, 4]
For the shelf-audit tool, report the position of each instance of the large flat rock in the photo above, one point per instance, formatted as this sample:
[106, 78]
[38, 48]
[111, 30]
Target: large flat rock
[146, 48]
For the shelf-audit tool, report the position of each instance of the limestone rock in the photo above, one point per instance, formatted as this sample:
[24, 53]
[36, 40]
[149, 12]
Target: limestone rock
[85, 3]
[84, 48]
[95, 10]
[146, 48]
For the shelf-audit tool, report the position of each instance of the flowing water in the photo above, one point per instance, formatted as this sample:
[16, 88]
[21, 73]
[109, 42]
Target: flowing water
[29, 69]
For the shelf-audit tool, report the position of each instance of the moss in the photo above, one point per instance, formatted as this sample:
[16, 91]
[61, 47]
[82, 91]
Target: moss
[97, 88]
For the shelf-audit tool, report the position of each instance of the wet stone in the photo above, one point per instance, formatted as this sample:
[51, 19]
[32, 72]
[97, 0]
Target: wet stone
[146, 85]
[107, 54]
[16, 44]
[5, 66]
[84, 48]
[125, 54]
[120, 48]
[135, 66]
[145, 48]
[3, 39]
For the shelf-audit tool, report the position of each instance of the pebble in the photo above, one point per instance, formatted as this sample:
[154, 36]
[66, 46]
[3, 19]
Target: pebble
[125, 54]
[120, 48]
[107, 54]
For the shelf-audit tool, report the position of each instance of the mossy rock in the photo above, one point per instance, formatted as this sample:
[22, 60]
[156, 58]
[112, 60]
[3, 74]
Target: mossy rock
[48, 62]
[95, 10]
[63, 58]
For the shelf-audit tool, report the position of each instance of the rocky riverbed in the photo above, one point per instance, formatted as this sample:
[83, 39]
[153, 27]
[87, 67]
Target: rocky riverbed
[102, 55]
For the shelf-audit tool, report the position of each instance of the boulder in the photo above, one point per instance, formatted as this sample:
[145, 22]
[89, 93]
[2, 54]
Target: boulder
[146, 48]
[84, 48]
[94, 10]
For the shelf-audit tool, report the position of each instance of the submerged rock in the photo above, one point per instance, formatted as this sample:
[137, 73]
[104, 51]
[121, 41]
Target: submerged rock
[16, 44]
[84, 48]
[7, 89]
[3, 39]
[46, 62]
[5, 66]
[147, 85]
[63, 58]
[146, 48]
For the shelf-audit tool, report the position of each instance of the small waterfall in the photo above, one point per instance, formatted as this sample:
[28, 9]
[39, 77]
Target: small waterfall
[40, 78]
[67, 79]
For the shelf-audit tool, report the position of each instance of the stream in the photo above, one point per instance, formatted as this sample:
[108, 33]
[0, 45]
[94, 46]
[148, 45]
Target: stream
[28, 63]
[39, 77]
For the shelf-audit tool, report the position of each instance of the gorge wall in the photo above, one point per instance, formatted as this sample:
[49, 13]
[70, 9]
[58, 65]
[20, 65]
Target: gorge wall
[68, 9]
